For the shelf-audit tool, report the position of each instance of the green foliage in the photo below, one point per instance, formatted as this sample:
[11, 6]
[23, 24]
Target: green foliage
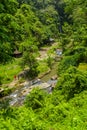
[42, 67]
[29, 59]
[5, 53]
[49, 62]
[8, 22]
[72, 82]
[67, 62]
[9, 70]
[0, 80]
[35, 99]
[82, 67]
[73, 57]
[73, 113]
[4, 104]
[8, 29]
[31, 25]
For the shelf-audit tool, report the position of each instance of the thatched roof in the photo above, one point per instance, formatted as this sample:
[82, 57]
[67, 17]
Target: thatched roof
[17, 52]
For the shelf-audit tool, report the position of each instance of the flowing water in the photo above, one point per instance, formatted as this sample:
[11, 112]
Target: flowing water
[18, 96]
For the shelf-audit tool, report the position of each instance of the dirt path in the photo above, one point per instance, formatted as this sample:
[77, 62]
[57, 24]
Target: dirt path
[43, 52]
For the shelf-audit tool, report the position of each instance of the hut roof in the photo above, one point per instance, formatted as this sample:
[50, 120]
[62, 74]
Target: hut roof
[17, 52]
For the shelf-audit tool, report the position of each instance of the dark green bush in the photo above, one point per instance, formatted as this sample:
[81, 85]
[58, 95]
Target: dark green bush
[35, 99]
[72, 82]
[67, 62]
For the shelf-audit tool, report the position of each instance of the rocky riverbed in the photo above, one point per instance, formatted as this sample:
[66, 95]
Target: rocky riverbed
[18, 96]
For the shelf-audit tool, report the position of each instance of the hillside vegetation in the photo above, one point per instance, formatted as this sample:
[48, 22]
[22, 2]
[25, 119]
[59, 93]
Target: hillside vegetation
[26, 26]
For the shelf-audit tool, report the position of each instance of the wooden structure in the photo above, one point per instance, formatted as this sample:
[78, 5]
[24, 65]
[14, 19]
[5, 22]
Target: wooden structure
[17, 54]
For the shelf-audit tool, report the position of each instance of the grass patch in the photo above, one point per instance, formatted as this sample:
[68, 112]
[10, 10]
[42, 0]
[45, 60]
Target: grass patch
[8, 71]
[82, 67]
[43, 67]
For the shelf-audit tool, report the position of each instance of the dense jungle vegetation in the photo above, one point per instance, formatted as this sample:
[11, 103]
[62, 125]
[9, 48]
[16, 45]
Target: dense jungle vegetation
[27, 25]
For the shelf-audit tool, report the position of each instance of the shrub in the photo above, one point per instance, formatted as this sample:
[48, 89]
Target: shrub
[67, 62]
[72, 82]
[35, 99]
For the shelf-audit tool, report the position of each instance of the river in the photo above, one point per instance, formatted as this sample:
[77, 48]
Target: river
[18, 96]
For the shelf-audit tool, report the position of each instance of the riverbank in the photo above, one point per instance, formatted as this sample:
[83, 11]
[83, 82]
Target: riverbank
[10, 71]
[45, 82]
[20, 86]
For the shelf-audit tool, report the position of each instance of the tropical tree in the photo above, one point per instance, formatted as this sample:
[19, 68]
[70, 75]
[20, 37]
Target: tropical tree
[8, 28]
[29, 59]
[72, 82]
[36, 99]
